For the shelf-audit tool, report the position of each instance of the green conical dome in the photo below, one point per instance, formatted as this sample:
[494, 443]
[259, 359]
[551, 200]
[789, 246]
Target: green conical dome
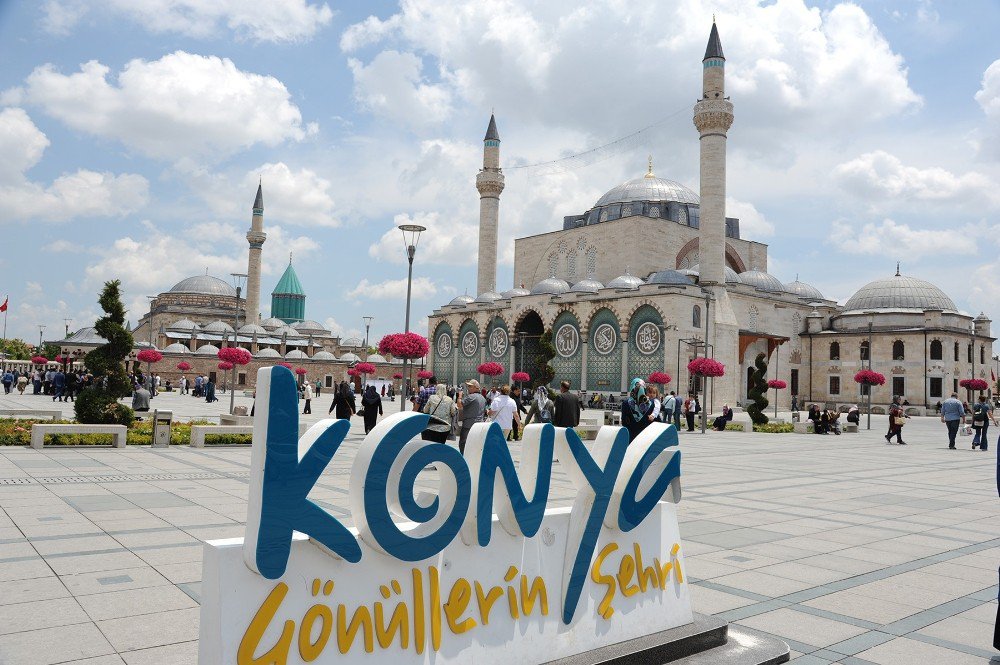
[288, 299]
[289, 283]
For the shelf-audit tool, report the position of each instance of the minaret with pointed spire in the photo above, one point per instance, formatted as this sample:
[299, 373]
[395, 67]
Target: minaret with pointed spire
[713, 116]
[489, 182]
[256, 238]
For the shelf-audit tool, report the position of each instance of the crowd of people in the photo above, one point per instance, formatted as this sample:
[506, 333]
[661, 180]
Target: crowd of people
[61, 385]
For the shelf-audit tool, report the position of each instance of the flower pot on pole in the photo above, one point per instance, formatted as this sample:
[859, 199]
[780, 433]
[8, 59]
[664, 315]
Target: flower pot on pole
[869, 378]
[706, 367]
[777, 384]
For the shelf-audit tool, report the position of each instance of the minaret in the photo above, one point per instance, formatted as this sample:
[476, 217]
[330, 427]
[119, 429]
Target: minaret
[256, 238]
[713, 115]
[489, 182]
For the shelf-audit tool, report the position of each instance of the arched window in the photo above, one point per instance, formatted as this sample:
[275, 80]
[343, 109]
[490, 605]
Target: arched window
[696, 316]
[956, 351]
[898, 350]
[937, 350]
[968, 352]
[982, 355]
[835, 351]
[864, 350]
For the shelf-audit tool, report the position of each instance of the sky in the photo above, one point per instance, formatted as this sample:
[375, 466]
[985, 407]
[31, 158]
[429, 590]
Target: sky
[133, 134]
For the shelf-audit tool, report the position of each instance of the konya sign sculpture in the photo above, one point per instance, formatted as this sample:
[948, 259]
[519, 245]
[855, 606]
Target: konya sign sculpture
[480, 571]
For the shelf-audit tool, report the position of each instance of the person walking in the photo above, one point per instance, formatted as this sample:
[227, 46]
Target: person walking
[441, 410]
[952, 415]
[541, 407]
[982, 414]
[897, 418]
[58, 385]
[22, 383]
[209, 392]
[371, 402]
[343, 402]
[668, 406]
[635, 409]
[471, 409]
[8, 381]
[567, 407]
[503, 411]
[309, 398]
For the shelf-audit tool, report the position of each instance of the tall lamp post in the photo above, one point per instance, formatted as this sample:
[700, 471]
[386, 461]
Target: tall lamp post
[238, 282]
[411, 236]
[973, 330]
[871, 322]
[41, 329]
[368, 324]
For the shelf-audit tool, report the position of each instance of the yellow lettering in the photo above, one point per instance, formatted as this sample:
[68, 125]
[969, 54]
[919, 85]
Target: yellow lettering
[458, 602]
[435, 609]
[663, 571]
[646, 576]
[346, 633]
[528, 596]
[511, 593]
[626, 568]
[677, 563]
[399, 622]
[604, 609]
[278, 655]
[308, 649]
[418, 610]
[486, 601]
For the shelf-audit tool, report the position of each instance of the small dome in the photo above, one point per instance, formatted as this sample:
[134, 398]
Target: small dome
[176, 347]
[762, 281]
[587, 286]
[268, 353]
[324, 355]
[803, 290]
[982, 317]
[204, 284]
[670, 277]
[295, 355]
[185, 325]
[353, 342]
[515, 293]
[251, 328]
[626, 281]
[648, 189]
[217, 327]
[376, 358]
[551, 286]
[350, 358]
[462, 300]
[310, 326]
[272, 323]
[488, 296]
[900, 292]
[731, 276]
[286, 330]
[207, 350]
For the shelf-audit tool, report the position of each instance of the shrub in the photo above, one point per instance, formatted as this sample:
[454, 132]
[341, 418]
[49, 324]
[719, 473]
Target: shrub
[774, 428]
[757, 391]
[107, 364]
[97, 406]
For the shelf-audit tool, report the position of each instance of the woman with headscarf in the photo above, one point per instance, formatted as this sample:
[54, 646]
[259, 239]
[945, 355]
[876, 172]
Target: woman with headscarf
[372, 404]
[442, 410]
[719, 424]
[343, 401]
[635, 409]
[541, 407]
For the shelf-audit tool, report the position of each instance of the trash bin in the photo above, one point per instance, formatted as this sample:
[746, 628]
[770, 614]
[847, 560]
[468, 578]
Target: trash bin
[161, 428]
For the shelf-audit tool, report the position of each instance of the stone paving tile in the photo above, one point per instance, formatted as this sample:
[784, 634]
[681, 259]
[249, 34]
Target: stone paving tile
[904, 651]
[801, 627]
[151, 630]
[84, 584]
[38, 614]
[134, 602]
[54, 645]
[184, 652]
[863, 607]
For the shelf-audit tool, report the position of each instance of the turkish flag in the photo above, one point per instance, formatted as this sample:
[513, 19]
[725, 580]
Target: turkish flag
[3, 307]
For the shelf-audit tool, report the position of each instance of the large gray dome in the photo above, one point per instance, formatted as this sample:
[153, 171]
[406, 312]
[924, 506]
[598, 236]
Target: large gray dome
[626, 281]
[461, 301]
[587, 286]
[761, 280]
[731, 276]
[670, 277]
[515, 293]
[899, 292]
[803, 290]
[648, 188]
[552, 285]
[488, 297]
[205, 284]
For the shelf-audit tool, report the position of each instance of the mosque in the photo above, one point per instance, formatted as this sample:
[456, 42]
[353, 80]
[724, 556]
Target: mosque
[654, 275]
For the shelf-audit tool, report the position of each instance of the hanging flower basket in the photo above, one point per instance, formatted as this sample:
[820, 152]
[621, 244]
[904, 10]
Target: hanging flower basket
[706, 367]
[39, 360]
[974, 384]
[661, 378]
[520, 377]
[425, 374]
[235, 355]
[226, 365]
[61, 359]
[397, 375]
[149, 356]
[301, 371]
[490, 369]
[184, 366]
[285, 364]
[365, 368]
[868, 377]
[777, 384]
[353, 372]
[404, 345]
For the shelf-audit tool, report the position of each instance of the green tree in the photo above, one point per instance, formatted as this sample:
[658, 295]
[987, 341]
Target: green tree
[17, 349]
[50, 351]
[99, 403]
[544, 372]
[757, 392]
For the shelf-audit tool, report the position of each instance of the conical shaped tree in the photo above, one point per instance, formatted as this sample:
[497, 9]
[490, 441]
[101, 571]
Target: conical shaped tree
[757, 391]
[99, 403]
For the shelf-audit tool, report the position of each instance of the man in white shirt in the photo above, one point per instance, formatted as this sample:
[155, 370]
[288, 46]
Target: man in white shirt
[668, 407]
[503, 411]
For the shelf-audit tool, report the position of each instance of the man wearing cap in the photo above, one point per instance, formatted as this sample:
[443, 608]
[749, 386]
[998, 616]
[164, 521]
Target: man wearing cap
[471, 407]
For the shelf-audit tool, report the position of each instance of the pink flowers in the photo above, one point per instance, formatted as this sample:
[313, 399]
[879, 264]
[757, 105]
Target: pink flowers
[183, 365]
[301, 371]
[235, 355]
[868, 377]
[661, 378]
[520, 377]
[706, 367]
[974, 384]
[777, 384]
[225, 364]
[39, 360]
[425, 374]
[365, 368]
[404, 345]
[149, 356]
[397, 375]
[490, 369]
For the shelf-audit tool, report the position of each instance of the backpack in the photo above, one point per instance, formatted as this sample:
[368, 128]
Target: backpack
[546, 415]
[979, 412]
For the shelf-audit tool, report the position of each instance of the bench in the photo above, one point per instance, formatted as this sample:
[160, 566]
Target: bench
[739, 426]
[850, 427]
[805, 427]
[199, 432]
[31, 413]
[38, 432]
[227, 419]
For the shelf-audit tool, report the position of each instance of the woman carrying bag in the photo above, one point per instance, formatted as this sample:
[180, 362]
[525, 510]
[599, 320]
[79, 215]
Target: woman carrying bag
[442, 410]
[343, 402]
[371, 406]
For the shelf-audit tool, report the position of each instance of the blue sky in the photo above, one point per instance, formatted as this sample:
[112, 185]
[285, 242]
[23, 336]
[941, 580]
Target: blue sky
[134, 131]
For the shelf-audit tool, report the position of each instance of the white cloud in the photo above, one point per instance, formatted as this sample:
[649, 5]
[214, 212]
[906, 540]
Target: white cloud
[883, 180]
[257, 20]
[753, 225]
[896, 241]
[182, 105]
[988, 97]
[393, 86]
[393, 289]
[81, 194]
[455, 243]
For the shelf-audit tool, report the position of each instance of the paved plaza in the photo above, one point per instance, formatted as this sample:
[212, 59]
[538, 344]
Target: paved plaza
[852, 551]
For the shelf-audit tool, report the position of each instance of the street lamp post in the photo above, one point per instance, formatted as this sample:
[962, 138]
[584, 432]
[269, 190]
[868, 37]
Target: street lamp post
[368, 324]
[41, 329]
[411, 237]
[238, 279]
[871, 322]
[973, 329]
